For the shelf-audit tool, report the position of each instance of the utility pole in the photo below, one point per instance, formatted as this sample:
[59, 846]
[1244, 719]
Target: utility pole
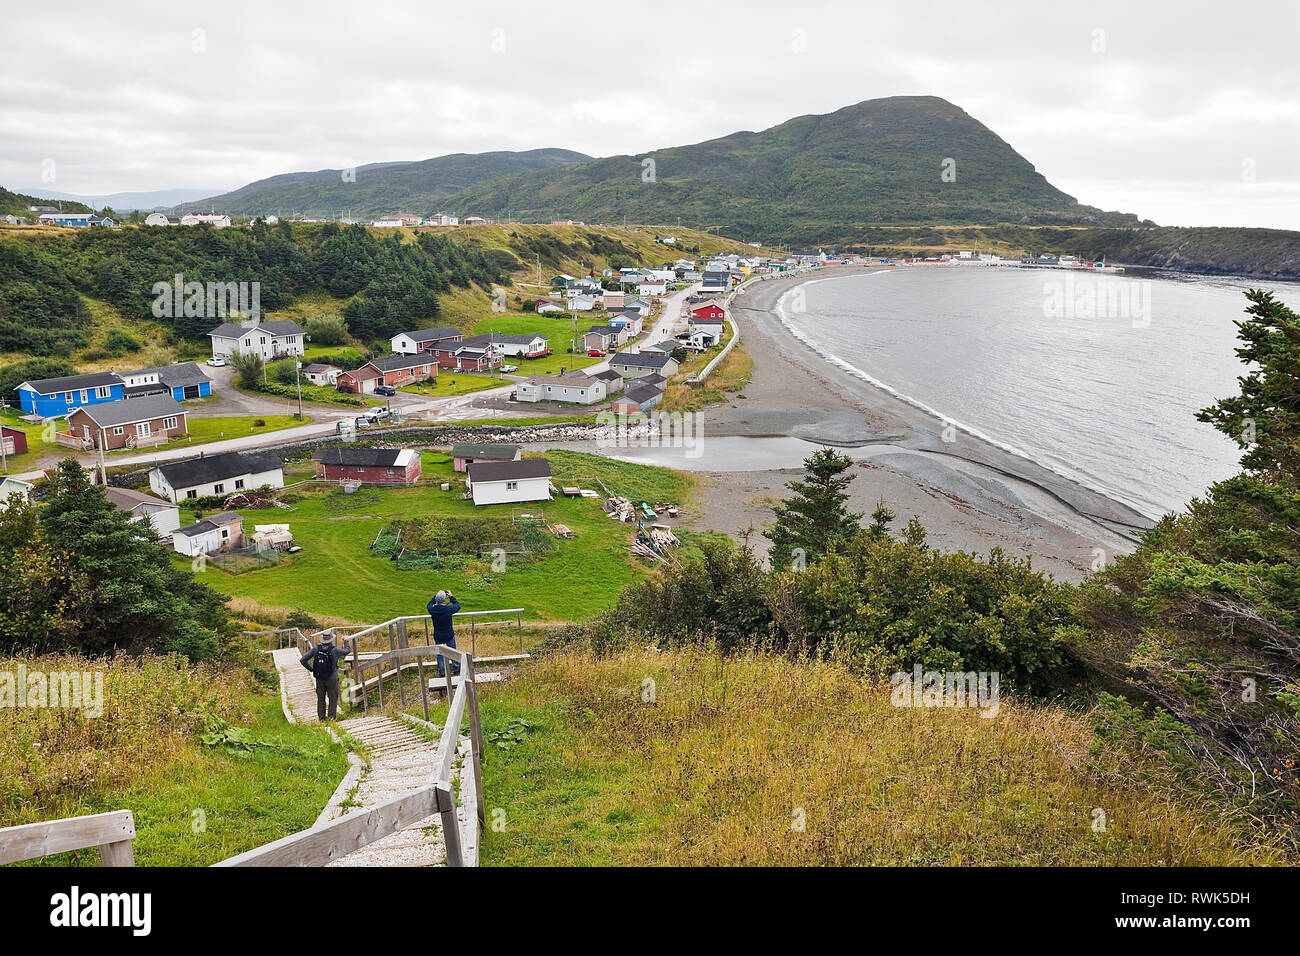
[4, 458]
[297, 380]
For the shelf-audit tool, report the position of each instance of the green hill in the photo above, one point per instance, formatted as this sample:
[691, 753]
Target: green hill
[379, 188]
[880, 161]
[16, 204]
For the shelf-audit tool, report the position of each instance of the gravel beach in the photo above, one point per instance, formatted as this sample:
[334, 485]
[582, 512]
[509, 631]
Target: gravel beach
[970, 494]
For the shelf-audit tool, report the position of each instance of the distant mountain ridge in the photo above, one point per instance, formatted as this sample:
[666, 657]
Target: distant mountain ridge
[900, 159]
[376, 189]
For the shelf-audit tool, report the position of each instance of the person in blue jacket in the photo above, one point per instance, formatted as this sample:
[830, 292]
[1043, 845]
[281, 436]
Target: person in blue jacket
[441, 608]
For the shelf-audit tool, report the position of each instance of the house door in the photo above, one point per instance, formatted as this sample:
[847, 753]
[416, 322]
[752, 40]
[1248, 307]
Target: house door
[191, 391]
[85, 432]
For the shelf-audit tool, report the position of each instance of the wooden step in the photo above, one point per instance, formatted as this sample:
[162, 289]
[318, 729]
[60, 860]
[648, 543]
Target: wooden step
[485, 677]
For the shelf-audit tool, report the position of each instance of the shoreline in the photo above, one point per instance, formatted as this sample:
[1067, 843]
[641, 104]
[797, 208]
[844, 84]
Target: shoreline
[970, 493]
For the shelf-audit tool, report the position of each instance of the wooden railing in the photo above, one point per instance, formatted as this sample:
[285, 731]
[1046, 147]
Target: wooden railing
[112, 832]
[399, 638]
[329, 841]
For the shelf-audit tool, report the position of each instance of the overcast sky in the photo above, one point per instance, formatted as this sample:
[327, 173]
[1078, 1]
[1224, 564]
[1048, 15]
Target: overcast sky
[1185, 113]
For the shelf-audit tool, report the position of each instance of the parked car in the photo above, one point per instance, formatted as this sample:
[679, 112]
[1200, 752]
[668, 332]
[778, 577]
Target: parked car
[509, 368]
[216, 361]
[364, 421]
[385, 390]
[595, 353]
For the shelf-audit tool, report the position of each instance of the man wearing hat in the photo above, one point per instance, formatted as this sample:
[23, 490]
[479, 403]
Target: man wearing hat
[441, 609]
[323, 662]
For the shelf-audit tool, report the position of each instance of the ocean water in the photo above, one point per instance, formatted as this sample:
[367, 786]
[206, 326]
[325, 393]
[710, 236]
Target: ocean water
[1097, 377]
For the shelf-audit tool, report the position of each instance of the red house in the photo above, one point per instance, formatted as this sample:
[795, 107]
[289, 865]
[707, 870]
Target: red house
[15, 441]
[373, 466]
[392, 370]
[708, 310]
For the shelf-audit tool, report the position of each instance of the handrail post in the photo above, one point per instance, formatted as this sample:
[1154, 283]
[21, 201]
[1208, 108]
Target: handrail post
[450, 825]
[401, 642]
[475, 735]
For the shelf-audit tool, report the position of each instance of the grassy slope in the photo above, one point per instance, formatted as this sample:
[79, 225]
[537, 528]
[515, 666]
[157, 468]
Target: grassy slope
[144, 754]
[732, 752]
[335, 573]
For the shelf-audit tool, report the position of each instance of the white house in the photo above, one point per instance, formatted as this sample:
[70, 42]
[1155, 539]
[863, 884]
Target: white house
[268, 339]
[216, 475]
[411, 343]
[577, 387]
[652, 288]
[219, 532]
[502, 482]
[215, 220]
[520, 346]
[146, 509]
[632, 322]
[13, 486]
[321, 374]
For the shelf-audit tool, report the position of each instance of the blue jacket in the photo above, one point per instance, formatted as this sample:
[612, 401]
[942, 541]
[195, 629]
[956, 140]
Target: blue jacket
[441, 614]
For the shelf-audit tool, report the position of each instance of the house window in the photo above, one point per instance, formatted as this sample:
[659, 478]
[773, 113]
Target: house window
[118, 430]
[104, 391]
[512, 485]
[361, 471]
[192, 493]
[143, 430]
[169, 422]
[239, 483]
[225, 533]
[67, 397]
[263, 339]
[218, 489]
[249, 341]
[390, 471]
[84, 396]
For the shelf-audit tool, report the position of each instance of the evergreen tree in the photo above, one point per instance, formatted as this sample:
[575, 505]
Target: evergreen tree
[1265, 418]
[117, 588]
[814, 519]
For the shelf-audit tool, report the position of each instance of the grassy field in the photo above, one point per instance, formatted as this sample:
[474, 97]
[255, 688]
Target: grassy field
[203, 430]
[558, 334]
[449, 383]
[686, 758]
[37, 446]
[194, 803]
[336, 574]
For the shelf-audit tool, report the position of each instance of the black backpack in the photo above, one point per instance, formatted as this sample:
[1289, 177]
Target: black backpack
[323, 664]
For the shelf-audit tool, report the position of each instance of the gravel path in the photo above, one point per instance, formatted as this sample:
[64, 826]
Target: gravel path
[401, 759]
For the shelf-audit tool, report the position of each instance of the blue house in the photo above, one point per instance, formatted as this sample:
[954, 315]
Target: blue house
[55, 397]
[182, 381]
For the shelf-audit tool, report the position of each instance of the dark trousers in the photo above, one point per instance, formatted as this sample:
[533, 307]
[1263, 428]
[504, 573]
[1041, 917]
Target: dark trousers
[455, 665]
[327, 687]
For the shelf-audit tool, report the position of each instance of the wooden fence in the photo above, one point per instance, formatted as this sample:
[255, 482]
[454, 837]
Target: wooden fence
[401, 654]
[329, 841]
[112, 832]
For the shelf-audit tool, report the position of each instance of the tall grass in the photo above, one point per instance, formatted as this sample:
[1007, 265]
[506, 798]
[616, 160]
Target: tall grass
[692, 758]
[195, 803]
